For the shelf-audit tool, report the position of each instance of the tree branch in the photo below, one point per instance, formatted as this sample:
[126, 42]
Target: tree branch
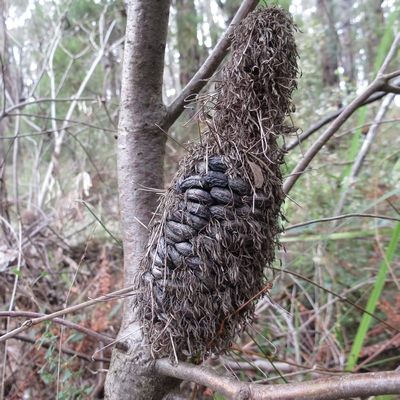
[380, 83]
[359, 385]
[199, 80]
[64, 350]
[377, 85]
[325, 120]
[39, 318]
[338, 217]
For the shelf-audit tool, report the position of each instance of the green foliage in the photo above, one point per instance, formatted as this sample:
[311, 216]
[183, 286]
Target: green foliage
[50, 373]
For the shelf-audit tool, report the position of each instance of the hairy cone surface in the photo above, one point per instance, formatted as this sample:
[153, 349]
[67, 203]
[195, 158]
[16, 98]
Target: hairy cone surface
[216, 229]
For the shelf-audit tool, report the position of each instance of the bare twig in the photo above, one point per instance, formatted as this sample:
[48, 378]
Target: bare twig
[372, 132]
[60, 138]
[38, 101]
[60, 321]
[63, 350]
[42, 318]
[315, 221]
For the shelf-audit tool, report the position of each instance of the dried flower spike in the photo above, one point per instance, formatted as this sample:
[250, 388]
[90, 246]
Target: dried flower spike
[216, 229]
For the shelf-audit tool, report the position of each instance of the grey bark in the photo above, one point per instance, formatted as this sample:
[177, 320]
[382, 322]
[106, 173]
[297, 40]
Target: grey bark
[140, 163]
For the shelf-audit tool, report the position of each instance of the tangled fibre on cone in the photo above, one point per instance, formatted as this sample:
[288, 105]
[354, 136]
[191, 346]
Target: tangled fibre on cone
[216, 229]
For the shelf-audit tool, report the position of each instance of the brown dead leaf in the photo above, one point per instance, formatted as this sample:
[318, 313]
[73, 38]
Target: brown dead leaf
[258, 175]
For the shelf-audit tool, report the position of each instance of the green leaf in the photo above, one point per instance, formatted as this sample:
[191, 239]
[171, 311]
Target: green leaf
[42, 275]
[373, 300]
[16, 272]
[67, 375]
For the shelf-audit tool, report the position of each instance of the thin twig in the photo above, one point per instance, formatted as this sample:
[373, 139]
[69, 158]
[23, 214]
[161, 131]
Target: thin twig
[42, 318]
[342, 298]
[315, 221]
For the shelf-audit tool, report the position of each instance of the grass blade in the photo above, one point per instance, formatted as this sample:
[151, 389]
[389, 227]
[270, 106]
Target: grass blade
[372, 301]
[101, 223]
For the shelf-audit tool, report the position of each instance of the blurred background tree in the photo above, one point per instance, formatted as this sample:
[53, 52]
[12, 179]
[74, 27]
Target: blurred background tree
[61, 77]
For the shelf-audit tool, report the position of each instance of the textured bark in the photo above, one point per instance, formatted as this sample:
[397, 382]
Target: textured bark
[140, 164]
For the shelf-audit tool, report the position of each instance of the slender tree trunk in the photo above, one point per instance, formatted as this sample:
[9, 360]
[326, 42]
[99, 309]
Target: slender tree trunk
[188, 44]
[140, 164]
[347, 43]
[329, 47]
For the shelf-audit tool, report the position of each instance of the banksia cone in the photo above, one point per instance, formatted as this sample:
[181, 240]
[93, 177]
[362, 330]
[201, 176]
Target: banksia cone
[216, 229]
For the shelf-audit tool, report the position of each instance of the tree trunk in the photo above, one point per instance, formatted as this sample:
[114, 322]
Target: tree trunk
[188, 44]
[347, 44]
[140, 164]
[329, 47]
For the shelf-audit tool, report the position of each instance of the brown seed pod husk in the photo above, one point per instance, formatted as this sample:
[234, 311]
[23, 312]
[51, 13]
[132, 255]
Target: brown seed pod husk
[216, 229]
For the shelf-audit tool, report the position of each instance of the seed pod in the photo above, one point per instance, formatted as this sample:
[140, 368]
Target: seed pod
[196, 209]
[161, 248]
[179, 232]
[260, 200]
[178, 187]
[184, 248]
[214, 178]
[221, 213]
[199, 196]
[157, 272]
[195, 181]
[216, 164]
[239, 186]
[246, 211]
[215, 234]
[225, 196]
[174, 256]
[193, 262]
[189, 219]
[157, 260]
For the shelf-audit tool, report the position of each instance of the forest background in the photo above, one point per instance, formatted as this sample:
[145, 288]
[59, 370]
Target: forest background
[60, 228]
